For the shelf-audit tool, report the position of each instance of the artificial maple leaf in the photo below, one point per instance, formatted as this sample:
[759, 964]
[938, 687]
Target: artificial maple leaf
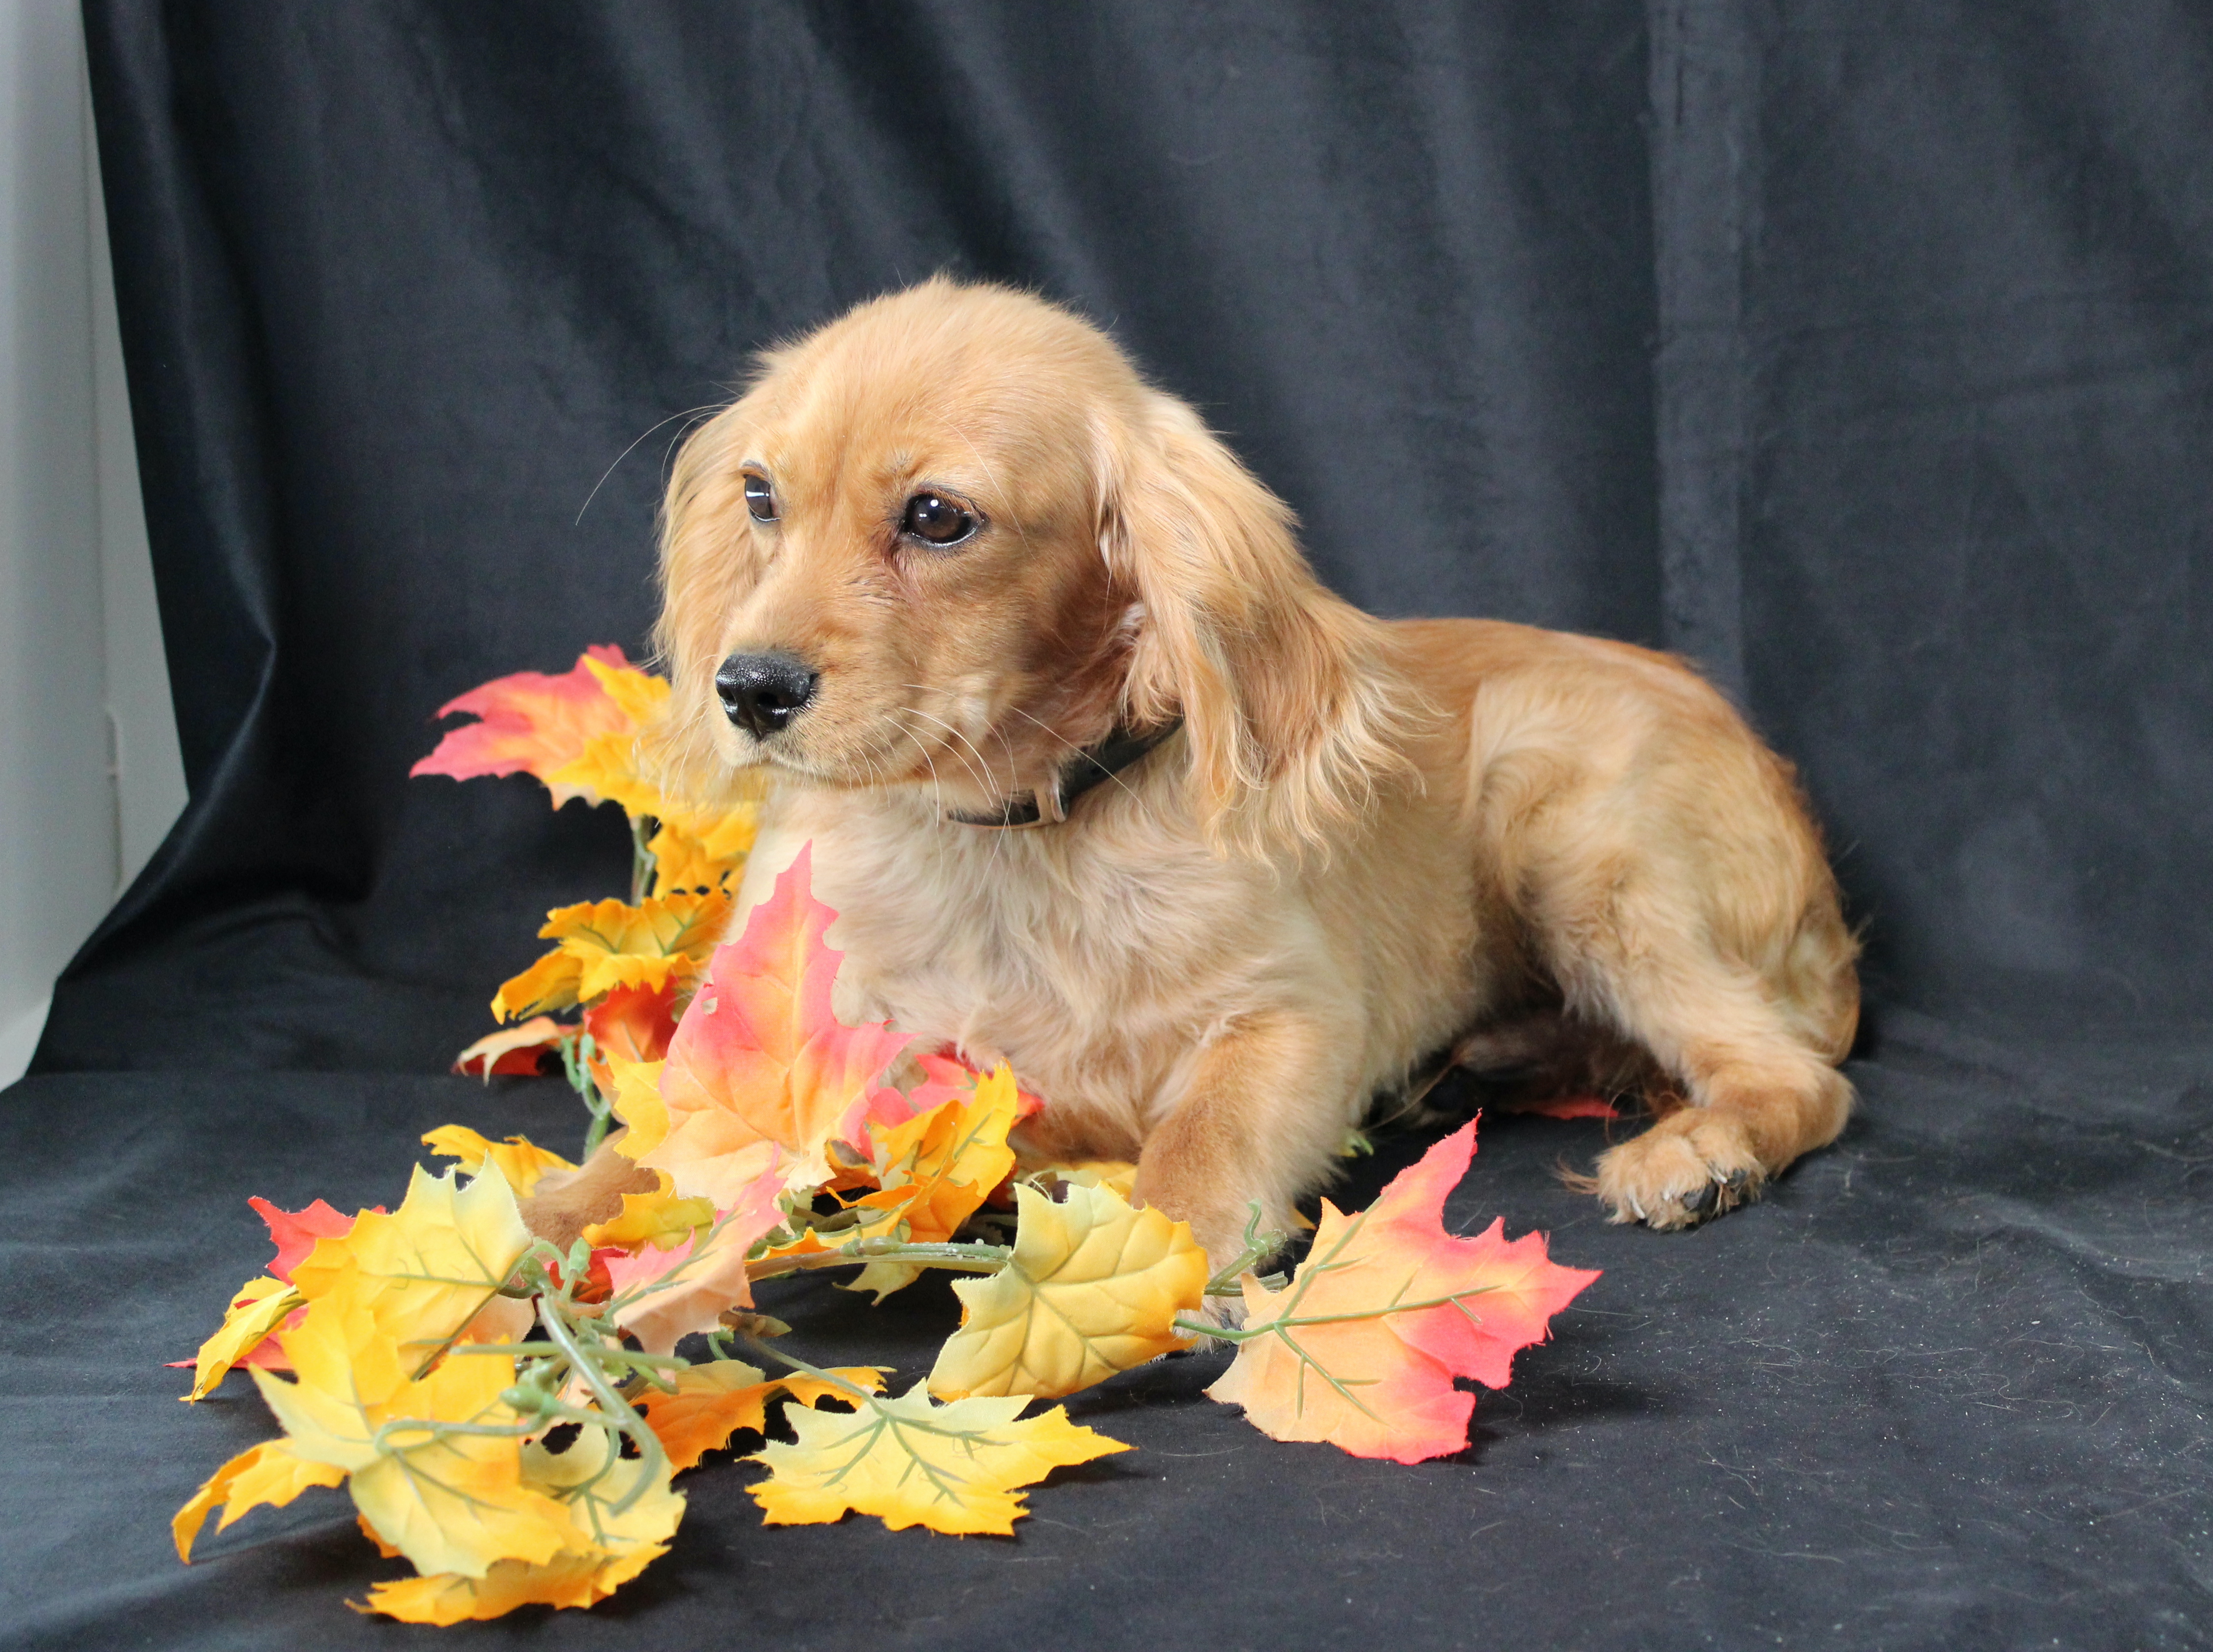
[1362, 1348]
[449, 1501]
[621, 1541]
[425, 1270]
[294, 1233]
[268, 1475]
[1120, 1174]
[701, 851]
[935, 1168]
[259, 1307]
[536, 722]
[662, 1218]
[632, 1023]
[606, 944]
[909, 1462]
[945, 1077]
[513, 1051]
[760, 1056]
[1566, 1106]
[521, 1161]
[607, 767]
[1094, 1287]
[716, 1399]
[662, 1296]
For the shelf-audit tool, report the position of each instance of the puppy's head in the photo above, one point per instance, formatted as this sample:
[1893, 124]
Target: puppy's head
[951, 539]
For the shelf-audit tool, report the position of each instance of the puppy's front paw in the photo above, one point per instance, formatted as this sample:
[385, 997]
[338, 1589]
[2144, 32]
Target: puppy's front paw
[1689, 1167]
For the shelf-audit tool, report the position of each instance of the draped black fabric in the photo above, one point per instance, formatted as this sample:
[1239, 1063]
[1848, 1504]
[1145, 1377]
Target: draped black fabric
[1862, 351]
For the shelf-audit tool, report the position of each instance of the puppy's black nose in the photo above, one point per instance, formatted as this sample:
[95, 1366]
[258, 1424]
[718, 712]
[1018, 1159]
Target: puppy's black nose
[762, 693]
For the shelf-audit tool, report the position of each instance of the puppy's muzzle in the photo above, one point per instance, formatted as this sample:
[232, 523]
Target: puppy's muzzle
[762, 693]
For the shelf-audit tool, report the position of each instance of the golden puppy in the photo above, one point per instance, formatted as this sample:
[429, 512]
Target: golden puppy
[1103, 782]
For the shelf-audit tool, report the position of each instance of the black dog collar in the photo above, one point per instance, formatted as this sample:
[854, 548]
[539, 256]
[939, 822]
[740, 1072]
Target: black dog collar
[1092, 766]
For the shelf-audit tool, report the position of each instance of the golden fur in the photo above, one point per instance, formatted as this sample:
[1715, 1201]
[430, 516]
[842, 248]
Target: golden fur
[1367, 841]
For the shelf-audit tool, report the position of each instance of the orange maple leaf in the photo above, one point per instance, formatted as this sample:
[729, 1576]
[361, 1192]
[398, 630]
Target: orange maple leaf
[606, 944]
[632, 1023]
[761, 1058]
[1360, 1349]
[534, 722]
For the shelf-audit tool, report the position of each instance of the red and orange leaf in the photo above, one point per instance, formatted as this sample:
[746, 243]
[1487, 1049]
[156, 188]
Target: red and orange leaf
[759, 1057]
[534, 723]
[1566, 1106]
[1362, 1348]
[661, 1295]
[513, 1051]
[294, 1232]
[632, 1023]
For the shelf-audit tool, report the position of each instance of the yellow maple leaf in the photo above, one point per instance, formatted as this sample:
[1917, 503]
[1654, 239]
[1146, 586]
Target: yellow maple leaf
[1118, 1173]
[567, 1579]
[267, 1475]
[952, 1468]
[716, 1399]
[952, 1156]
[660, 1219]
[604, 944]
[638, 1105]
[450, 1501]
[933, 1169]
[1094, 1287]
[702, 851]
[618, 1543]
[423, 1271]
[258, 1309]
[521, 1161]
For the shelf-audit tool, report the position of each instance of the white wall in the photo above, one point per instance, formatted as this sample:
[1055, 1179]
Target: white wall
[89, 775]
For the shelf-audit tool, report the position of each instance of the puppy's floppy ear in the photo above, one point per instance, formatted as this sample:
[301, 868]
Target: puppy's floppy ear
[1290, 702]
[707, 564]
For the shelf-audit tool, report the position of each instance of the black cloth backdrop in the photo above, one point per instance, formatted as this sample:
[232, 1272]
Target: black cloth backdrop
[1863, 351]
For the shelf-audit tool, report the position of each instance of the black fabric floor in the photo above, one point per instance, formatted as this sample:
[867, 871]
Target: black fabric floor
[1947, 1386]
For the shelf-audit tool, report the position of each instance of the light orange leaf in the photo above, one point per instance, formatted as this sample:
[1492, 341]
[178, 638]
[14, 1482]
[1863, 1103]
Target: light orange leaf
[760, 1058]
[534, 722]
[606, 944]
[1362, 1348]
[716, 1399]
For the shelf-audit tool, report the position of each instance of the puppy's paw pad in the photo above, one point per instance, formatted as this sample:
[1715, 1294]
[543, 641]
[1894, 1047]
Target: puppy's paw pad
[1688, 1169]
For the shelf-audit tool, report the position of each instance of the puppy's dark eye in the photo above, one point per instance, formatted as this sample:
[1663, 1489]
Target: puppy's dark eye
[935, 520]
[760, 498]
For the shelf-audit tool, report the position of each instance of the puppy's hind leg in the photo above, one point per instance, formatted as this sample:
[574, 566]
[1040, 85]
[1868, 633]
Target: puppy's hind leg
[1760, 1093]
